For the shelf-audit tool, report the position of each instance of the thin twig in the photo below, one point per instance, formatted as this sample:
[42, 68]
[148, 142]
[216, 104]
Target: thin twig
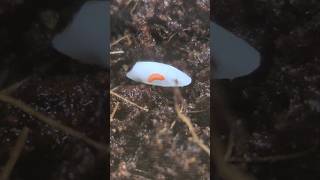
[53, 123]
[120, 39]
[172, 124]
[128, 2]
[188, 122]
[134, 7]
[274, 158]
[230, 146]
[117, 52]
[226, 170]
[197, 111]
[115, 88]
[171, 37]
[14, 86]
[15, 154]
[128, 101]
[114, 111]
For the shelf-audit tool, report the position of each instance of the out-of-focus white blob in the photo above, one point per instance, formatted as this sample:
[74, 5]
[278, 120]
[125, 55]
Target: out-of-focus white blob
[158, 74]
[86, 39]
[234, 57]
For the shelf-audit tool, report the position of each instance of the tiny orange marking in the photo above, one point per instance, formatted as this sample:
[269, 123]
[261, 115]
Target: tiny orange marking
[155, 76]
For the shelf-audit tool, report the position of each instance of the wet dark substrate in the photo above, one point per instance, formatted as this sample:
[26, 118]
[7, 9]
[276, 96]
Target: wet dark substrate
[276, 109]
[62, 89]
[156, 144]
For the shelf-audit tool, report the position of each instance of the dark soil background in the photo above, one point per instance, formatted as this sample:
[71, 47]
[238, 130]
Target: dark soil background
[275, 111]
[156, 144]
[55, 85]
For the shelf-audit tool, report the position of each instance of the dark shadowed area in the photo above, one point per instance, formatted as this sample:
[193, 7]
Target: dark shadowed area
[274, 129]
[70, 93]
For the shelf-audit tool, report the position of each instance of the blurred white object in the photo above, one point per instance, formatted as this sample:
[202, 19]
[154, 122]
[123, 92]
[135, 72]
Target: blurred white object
[86, 39]
[234, 57]
[158, 74]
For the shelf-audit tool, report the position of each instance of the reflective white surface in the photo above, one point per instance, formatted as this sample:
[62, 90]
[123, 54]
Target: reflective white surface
[234, 57]
[141, 71]
[86, 39]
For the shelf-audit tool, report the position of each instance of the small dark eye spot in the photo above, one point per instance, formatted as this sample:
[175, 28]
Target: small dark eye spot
[176, 81]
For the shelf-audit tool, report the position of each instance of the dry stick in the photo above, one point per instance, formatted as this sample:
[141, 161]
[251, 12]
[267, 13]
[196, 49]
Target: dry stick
[195, 137]
[14, 86]
[117, 52]
[274, 158]
[230, 146]
[226, 170]
[171, 37]
[120, 39]
[127, 4]
[197, 111]
[14, 155]
[115, 88]
[128, 101]
[187, 121]
[134, 7]
[114, 111]
[27, 109]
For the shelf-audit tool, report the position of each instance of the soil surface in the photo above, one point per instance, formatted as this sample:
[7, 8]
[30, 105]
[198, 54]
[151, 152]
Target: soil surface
[276, 110]
[72, 94]
[156, 144]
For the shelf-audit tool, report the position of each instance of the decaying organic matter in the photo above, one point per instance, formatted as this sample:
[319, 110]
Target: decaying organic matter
[156, 144]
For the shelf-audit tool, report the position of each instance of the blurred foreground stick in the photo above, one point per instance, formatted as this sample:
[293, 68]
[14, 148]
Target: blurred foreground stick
[53, 123]
[14, 155]
[226, 170]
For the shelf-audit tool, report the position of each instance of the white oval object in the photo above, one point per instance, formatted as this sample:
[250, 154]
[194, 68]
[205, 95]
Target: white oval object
[86, 38]
[234, 57]
[158, 74]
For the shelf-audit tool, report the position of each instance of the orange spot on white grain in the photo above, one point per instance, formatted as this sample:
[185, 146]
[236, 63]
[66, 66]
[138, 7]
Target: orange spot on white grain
[155, 76]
